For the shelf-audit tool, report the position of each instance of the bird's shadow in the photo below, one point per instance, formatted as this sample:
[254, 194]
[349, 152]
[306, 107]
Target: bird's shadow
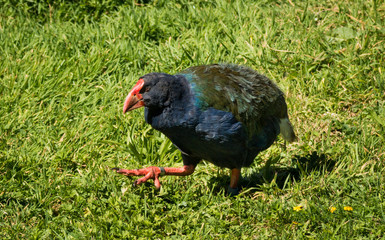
[300, 166]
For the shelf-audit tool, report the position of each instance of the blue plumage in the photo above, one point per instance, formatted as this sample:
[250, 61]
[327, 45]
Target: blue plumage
[225, 114]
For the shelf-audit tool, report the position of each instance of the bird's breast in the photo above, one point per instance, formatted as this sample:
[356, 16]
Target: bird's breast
[212, 134]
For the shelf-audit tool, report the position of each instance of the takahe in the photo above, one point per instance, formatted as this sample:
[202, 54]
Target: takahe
[225, 114]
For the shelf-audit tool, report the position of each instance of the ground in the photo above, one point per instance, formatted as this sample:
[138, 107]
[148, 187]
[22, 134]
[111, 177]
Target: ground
[66, 67]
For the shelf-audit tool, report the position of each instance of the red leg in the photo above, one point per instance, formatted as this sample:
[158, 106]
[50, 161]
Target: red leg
[234, 181]
[155, 172]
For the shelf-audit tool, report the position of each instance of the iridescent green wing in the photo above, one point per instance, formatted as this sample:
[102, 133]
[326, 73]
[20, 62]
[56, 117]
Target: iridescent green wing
[248, 95]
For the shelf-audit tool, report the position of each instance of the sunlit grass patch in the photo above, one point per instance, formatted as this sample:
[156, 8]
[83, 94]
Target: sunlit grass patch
[66, 67]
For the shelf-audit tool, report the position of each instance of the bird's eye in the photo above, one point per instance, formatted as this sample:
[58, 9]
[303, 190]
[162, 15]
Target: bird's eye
[145, 89]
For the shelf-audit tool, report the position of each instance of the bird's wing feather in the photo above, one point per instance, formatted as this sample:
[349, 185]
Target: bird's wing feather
[248, 95]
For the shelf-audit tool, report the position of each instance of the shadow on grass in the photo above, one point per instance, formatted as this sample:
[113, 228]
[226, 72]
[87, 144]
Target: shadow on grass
[301, 166]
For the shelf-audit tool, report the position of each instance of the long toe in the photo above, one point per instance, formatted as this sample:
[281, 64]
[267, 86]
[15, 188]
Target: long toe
[129, 172]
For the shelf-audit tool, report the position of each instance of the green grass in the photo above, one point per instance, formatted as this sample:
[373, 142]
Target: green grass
[66, 67]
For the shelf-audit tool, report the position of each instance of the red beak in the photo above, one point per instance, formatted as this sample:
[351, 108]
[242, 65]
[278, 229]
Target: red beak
[134, 99]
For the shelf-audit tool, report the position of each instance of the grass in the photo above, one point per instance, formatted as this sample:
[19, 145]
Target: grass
[67, 66]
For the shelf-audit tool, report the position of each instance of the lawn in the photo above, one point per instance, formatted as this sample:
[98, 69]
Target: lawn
[66, 67]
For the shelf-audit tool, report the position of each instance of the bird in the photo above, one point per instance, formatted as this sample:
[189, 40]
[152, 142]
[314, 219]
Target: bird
[225, 114]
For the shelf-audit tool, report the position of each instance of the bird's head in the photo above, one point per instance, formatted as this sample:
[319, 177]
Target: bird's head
[154, 91]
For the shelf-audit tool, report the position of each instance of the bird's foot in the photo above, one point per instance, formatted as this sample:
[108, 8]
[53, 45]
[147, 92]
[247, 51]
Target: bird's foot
[148, 173]
[155, 173]
[232, 191]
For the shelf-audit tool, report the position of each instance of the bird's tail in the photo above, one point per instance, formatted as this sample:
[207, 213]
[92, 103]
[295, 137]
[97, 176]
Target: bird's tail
[286, 130]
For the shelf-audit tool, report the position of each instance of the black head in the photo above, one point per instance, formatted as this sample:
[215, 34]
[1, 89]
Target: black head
[155, 91]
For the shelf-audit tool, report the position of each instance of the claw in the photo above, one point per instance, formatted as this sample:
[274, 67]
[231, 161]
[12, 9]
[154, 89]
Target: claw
[148, 173]
[156, 172]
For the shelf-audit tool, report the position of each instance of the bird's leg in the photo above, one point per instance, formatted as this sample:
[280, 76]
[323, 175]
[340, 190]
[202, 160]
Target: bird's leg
[155, 173]
[235, 176]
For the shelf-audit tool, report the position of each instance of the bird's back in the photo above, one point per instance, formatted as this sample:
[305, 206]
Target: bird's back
[248, 95]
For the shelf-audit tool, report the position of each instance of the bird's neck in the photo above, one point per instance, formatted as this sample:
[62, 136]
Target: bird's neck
[181, 112]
